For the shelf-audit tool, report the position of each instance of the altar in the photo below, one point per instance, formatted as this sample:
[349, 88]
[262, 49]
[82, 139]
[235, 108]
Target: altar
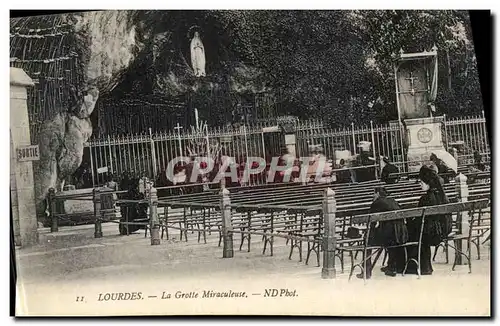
[416, 91]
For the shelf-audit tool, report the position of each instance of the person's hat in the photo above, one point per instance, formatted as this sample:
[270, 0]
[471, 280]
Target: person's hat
[353, 233]
[316, 148]
[426, 173]
[364, 145]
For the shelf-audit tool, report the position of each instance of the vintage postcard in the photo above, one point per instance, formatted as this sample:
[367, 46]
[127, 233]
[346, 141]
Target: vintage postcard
[249, 162]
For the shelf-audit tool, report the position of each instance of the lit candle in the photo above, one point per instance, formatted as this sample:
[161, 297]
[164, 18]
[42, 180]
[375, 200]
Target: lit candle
[196, 117]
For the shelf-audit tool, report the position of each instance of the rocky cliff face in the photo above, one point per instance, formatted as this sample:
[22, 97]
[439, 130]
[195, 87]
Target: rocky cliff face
[116, 54]
[106, 44]
[61, 145]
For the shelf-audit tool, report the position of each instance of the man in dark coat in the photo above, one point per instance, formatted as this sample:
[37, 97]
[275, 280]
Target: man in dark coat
[387, 170]
[363, 159]
[386, 234]
[134, 211]
[478, 162]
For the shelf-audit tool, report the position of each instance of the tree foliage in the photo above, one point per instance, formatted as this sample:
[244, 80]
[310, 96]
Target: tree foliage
[329, 64]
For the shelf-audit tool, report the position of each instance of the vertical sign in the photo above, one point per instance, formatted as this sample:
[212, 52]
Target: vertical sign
[28, 153]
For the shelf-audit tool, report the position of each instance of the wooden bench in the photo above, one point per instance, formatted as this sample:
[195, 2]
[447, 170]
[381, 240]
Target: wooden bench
[423, 212]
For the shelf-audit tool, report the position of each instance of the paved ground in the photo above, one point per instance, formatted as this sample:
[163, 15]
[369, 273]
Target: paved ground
[74, 264]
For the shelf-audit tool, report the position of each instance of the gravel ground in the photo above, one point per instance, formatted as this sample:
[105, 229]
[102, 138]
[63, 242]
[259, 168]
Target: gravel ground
[53, 275]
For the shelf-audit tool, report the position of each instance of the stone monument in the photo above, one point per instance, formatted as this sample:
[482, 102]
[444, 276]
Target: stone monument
[416, 90]
[22, 155]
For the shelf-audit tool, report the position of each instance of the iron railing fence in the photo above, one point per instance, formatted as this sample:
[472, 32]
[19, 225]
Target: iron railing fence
[149, 153]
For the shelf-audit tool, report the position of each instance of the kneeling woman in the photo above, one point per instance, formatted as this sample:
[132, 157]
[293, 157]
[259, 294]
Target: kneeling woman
[436, 227]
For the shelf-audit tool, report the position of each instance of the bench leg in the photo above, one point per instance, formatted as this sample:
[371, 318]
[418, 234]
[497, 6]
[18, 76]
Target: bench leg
[243, 237]
[300, 251]
[446, 251]
[435, 252]
[268, 239]
[293, 244]
[459, 253]
[340, 254]
[444, 245]
[186, 227]
[469, 256]
[309, 249]
[317, 256]
[408, 261]
[478, 247]
[360, 268]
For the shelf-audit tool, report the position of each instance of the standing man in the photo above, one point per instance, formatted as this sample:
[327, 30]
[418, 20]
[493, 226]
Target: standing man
[363, 159]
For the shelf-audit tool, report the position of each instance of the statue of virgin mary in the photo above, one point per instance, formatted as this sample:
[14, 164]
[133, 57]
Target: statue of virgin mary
[197, 56]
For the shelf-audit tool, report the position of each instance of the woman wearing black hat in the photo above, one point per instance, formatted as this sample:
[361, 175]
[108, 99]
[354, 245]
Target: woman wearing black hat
[436, 227]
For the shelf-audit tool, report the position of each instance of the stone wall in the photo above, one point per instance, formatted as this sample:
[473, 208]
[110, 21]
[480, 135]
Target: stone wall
[21, 173]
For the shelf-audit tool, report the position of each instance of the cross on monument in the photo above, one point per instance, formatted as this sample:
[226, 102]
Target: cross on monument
[178, 128]
[412, 79]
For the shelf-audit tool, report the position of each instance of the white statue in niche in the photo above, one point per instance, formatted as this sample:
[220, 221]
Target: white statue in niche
[197, 55]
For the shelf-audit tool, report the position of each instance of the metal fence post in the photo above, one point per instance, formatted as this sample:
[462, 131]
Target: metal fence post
[154, 222]
[353, 138]
[329, 241]
[445, 133]
[52, 210]
[227, 227]
[97, 213]
[462, 217]
[373, 150]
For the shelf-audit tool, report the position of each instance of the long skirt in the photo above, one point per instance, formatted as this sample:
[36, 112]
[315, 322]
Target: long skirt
[429, 237]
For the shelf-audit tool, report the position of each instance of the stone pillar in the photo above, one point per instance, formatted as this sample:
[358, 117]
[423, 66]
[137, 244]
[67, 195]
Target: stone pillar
[290, 142]
[463, 217]
[21, 176]
[154, 220]
[329, 241]
[424, 136]
[288, 127]
[97, 213]
[227, 226]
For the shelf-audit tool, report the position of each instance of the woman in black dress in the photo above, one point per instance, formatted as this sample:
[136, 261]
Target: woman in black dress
[387, 234]
[436, 227]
